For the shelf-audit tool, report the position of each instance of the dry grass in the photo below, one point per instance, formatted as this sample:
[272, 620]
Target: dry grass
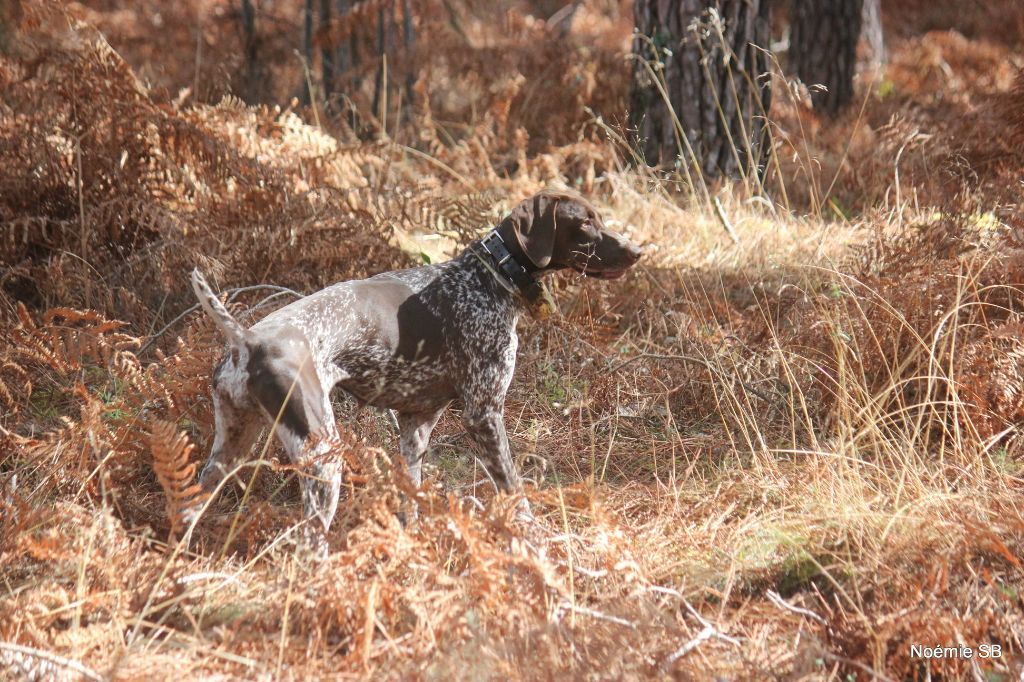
[786, 448]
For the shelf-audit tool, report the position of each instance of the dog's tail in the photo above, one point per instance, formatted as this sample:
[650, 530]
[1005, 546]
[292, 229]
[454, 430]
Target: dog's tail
[235, 333]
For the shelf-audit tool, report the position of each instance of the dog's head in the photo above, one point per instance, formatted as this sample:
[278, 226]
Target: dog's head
[556, 230]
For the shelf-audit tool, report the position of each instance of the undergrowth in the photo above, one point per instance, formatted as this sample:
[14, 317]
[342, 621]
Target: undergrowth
[786, 445]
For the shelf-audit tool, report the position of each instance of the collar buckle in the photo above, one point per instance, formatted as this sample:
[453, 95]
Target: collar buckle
[509, 268]
[497, 246]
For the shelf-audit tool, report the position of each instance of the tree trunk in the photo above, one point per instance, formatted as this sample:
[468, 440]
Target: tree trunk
[11, 14]
[709, 57]
[871, 21]
[307, 51]
[409, 38]
[251, 89]
[326, 53]
[378, 81]
[347, 56]
[823, 47]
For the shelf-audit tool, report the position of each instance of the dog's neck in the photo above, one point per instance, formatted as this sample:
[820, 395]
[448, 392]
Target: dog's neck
[507, 267]
[511, 275]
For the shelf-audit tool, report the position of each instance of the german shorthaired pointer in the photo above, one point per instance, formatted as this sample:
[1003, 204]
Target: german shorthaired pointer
[411, 341]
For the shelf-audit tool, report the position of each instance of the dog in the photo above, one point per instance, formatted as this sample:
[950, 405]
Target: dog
[412, 341]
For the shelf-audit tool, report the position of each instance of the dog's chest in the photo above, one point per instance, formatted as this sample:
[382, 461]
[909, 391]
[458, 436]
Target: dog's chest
[378, 377]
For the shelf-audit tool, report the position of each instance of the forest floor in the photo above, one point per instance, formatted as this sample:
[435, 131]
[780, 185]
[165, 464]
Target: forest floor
[784, 446]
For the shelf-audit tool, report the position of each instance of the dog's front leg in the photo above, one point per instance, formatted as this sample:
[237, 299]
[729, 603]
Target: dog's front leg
[415, 430]
[486, 426]
[319, 481]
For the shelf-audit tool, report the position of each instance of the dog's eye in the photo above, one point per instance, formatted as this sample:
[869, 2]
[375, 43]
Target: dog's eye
[588, 228]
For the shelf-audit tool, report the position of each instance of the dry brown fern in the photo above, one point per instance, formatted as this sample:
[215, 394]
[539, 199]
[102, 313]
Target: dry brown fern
[15, 386]
[68, 339]
[171, 451]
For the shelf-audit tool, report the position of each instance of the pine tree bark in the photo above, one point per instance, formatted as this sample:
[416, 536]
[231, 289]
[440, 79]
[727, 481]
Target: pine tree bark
[823, 48]
[710, 75]
[251, 87]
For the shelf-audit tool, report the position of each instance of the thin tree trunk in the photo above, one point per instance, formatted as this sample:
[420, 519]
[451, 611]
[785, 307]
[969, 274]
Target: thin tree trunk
[392, 26]
[326, 53]
[409, 38]
[251, 86]
[871, 21]
[709, 57]
[348, 61]
[823, 47]
[378, 85]
[307, 51]
[343, 55]
[11, 14]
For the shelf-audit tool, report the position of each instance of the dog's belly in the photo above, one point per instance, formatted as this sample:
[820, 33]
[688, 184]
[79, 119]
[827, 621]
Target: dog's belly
[397, 384]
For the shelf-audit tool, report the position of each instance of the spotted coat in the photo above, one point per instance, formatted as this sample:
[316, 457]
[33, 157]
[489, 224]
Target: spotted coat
[412, 341]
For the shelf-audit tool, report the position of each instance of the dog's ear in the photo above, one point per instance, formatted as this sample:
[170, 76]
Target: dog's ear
[532, 225]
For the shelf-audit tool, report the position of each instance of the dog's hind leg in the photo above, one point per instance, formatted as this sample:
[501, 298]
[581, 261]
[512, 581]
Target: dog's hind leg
[415, 430]
[293, 398]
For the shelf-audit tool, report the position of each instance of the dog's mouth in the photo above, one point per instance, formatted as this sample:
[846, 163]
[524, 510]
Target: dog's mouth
[600, 274]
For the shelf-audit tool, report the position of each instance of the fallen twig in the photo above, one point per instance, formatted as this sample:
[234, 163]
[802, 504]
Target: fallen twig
[568, 606]
[51, 658]
[775, 598]
[724, 220]
[704, 635]
[858, 665]
[709, 631]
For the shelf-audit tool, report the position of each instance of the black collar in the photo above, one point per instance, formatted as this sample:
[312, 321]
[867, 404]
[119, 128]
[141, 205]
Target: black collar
[506, 264]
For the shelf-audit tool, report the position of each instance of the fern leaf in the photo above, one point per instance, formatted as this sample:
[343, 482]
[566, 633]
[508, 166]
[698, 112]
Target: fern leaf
[171, 452]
